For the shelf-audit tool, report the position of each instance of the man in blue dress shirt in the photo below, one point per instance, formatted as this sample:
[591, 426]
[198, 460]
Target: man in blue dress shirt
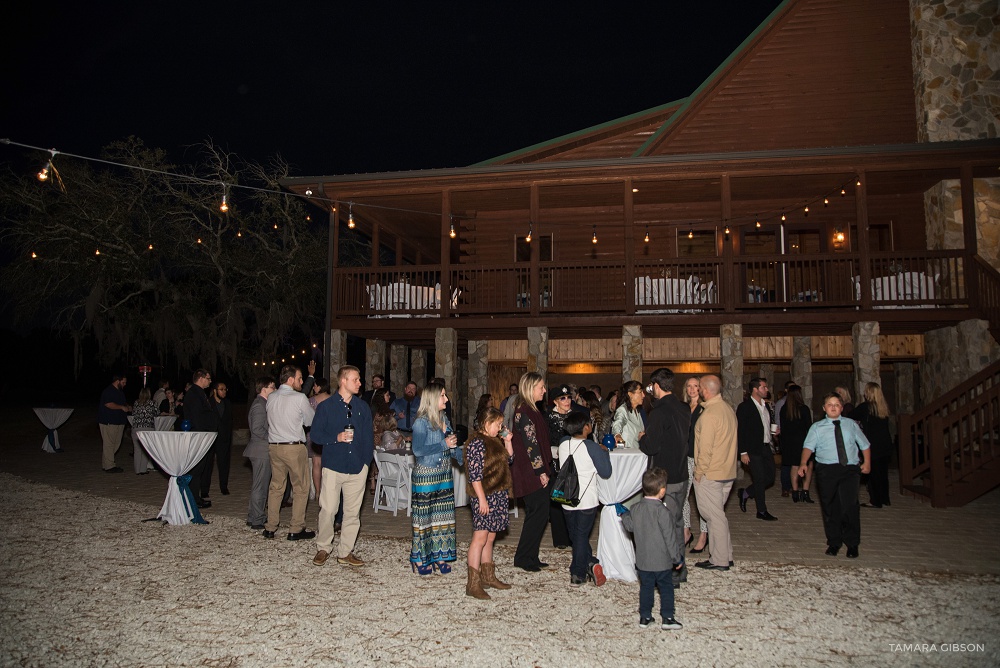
[405, 407]
[839, 445]
[343, 428]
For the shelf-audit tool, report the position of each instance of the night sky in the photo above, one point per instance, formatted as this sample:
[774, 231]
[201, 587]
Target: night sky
[341, 88]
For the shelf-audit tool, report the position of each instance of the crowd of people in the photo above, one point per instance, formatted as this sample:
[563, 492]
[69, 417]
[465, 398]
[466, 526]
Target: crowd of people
[310, 439]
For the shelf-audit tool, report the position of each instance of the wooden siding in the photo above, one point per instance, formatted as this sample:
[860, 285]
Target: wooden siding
[707, 349]
[827, 73]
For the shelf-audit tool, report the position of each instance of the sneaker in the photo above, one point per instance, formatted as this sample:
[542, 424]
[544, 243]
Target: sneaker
[671, 624]
[598, 574]
[644, 622]
[350, 560]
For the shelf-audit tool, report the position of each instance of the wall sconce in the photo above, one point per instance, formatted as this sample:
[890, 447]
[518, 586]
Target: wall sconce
[838, 238]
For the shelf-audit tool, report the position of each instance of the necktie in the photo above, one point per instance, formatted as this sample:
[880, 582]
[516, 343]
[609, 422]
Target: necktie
[838, 436]
[408, 416]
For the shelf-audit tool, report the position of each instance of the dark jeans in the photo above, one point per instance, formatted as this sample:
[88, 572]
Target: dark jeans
[579, 524]
[536, 516]
[662, 580]
[762, 474]
[786, 478]
[558, 524]
[838, 498]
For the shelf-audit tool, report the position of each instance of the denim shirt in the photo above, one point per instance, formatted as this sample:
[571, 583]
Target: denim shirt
[429, 448]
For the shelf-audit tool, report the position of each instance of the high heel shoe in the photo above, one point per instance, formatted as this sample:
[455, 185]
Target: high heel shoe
[688, 543]
[442, 567]
[422, 569]
[695, 550]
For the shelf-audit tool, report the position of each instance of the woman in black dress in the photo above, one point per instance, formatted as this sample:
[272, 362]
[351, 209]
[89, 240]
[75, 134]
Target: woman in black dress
[795, 422]
[873, 416]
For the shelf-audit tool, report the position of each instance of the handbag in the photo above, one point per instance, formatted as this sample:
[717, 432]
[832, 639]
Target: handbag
[566, 490]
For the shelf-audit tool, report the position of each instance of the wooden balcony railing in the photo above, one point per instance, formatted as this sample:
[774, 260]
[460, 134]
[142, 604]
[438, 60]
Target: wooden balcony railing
[910, 279]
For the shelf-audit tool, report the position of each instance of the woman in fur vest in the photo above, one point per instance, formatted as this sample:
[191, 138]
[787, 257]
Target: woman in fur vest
[488, 456]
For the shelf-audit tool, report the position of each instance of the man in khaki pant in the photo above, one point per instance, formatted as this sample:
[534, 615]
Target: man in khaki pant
[288, 413]
[112, 416]
[715, 449]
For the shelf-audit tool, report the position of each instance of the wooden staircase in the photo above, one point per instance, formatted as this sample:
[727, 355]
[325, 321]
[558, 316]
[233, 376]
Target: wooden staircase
[949, 452]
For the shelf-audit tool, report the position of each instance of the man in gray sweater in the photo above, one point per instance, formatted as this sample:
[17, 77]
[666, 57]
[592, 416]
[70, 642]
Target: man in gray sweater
[656, 548]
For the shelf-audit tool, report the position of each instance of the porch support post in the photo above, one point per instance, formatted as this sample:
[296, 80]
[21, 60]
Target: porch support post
[731, 293]
[534, 282]
[446, 240]
[418, 366]
[479, 379]
[446, 358]
[629, 250]
[374, 359]
[731, 346]
[631, 353]
[399, 369]
[861, 202]
[906, 396]
[867, 356]
[336, 350]
[538, 349]
[802, 367]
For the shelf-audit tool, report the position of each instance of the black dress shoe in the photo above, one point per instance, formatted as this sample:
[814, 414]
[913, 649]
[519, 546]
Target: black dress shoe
[767, 517]
[256, 527]
[852, 552]
[743, 499]
[305, 534]
[531, 568]
[832, 550]
[225, 491]
[542, 564]
[709, 566]
[267, 534]
[203, 503]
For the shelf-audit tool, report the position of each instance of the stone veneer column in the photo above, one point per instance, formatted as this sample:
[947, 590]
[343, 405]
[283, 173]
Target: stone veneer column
[462, 407]
[479, 377]
[418, 366]
[538, 351]
[631, 353]
[906, 397]
[336, 352]
[953, 354]
[399, 369]
[802, 367]
[374, 360]
[446, 359]
[867, 357]
[732, 363]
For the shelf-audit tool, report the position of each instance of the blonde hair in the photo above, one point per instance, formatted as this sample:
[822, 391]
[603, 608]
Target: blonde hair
[525, 388]
[429, 400]
[876, 400]
[844, 394]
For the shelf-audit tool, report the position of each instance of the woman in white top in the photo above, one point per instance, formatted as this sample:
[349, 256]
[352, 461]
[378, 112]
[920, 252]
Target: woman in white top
[591, 460]
[627, 426]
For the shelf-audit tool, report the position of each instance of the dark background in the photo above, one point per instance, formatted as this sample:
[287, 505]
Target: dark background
[334, 88]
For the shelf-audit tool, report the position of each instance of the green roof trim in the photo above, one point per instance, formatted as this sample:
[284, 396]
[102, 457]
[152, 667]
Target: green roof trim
[688, 101]
[578, 133]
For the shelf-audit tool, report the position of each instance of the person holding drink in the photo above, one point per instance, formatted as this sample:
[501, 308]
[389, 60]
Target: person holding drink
[433, 490]
[488, 456]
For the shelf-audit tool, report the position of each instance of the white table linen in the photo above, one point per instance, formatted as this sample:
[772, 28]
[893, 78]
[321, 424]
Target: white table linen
[52, 419]
[460, 478]
[165, 422]
[176, 452]
[614, 546]
[904, 286]
[672, 291]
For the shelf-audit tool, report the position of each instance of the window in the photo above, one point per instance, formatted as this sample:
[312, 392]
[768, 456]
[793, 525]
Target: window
[522, 249]
[803, 242]
[696, 243]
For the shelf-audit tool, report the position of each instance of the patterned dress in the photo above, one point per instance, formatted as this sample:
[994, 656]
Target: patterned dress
[498, 518]
[433, 508]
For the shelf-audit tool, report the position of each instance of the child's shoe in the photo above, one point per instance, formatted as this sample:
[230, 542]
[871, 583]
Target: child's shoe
[644, 622]
[669, 624]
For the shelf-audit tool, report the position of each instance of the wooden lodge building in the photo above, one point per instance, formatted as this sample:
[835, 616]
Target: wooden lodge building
[828, 200]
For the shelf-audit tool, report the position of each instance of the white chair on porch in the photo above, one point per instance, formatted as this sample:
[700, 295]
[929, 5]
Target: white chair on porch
[392, 484]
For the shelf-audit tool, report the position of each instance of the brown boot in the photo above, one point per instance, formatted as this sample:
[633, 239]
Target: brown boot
[474, 587]
[489, 576]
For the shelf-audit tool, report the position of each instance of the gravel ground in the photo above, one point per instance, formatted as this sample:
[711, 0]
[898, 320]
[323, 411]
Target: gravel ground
[86, 583]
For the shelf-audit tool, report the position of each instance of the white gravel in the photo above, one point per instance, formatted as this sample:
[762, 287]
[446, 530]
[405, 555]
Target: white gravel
[86, 583]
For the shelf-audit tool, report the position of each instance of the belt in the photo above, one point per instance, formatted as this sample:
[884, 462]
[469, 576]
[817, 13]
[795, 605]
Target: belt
[289, 443]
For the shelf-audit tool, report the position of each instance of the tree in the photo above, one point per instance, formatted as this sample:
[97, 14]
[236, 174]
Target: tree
[143, 260]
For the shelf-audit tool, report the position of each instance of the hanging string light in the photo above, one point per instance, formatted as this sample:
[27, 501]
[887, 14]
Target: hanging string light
[726, 230]
[757, 223]
[150, 246]
[350, 216]
[224, 207]
[34, 255]
[646, 238]
[826, 201]
[806, 212]
[690, 234]
[451, 231]
[97, 252]
[531, 226]
[594, 240]
[43, 175]
[857, 181]
[843, 191]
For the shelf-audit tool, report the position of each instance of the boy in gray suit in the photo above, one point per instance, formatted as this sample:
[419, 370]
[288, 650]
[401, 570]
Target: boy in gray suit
[656, 552]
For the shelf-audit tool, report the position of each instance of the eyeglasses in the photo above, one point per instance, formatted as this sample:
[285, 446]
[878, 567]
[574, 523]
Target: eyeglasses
[561, 398]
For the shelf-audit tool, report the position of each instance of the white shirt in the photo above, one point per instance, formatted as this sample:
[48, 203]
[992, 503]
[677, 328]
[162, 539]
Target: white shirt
[585, 471]
[765, 418]
[287, 411]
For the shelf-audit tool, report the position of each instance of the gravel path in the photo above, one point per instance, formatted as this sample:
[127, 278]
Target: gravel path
[86, 583]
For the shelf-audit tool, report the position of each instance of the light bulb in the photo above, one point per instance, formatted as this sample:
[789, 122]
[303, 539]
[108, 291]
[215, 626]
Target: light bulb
[33, 255]
[350, 220]
[199, 239]
[309, 191]
[314, 345]
[43, 175]
[826, 201]
[275, 226]
[782, 217]
[224, 206]
[150, 246]
[857, 182]
[843, 192]
[97, 252]
[727, 230]
[646, 238]
[807, 211]
[690, 234]
[239, 233]
[594, 240]
[451, 232]
[758, 224]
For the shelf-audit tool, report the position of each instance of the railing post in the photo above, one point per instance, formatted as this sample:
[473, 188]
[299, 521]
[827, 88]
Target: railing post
[936, 455]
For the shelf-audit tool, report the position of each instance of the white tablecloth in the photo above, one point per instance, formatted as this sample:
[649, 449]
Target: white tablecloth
[165, 422]
[176, 452]
[614, 546]
[52, 418]
[457, 475]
